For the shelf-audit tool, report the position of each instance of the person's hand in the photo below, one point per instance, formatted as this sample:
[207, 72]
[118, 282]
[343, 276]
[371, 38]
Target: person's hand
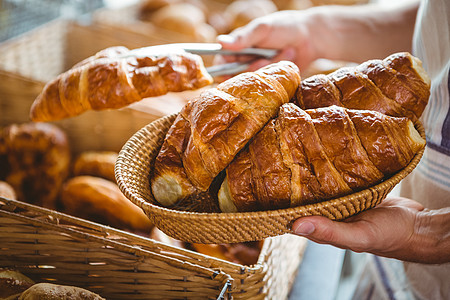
[287, 31]
[346, 33]
[398, 228]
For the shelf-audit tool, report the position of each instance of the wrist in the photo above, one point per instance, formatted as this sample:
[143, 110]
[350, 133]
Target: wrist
[314, 29]
[431, 239]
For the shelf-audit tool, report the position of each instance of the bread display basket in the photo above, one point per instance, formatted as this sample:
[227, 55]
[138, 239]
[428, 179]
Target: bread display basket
[134, 166]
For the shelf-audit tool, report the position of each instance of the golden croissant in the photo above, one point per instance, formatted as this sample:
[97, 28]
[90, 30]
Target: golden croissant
[115, 78]
[304, 157]
[397, 86]
[210, 130]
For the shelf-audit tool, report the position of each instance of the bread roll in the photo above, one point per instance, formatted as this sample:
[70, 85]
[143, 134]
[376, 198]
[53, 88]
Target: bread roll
[160, 236]
[49, 291]
[96, 163]
[13, 283]
[36, 161]
[396, 86]
[241, 12]
[101, 200]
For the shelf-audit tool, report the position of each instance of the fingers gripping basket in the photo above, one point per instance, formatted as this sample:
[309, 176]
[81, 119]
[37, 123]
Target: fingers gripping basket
[134, 165]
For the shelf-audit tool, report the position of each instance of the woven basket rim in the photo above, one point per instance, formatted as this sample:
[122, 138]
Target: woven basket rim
[148, 207]
[88, 233]
[100, 233]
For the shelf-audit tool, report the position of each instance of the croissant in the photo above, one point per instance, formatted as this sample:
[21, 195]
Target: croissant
[397, 86]
[210, 130]
[115, 78]
[303, 157]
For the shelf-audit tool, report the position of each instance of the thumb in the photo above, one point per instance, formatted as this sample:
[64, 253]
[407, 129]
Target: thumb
[325, 231]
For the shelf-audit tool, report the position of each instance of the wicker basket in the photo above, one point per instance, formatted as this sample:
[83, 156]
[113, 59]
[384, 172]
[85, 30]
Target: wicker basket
[49, 246]
[52, 247]
[133, 168]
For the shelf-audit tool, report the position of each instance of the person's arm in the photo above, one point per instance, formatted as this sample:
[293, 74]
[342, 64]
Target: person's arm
[398, 228]
[348, 33]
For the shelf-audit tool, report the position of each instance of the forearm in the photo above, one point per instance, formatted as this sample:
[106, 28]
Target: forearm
[363, 32]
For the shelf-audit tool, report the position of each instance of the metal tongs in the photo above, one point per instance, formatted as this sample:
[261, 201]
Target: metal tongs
[211, 49]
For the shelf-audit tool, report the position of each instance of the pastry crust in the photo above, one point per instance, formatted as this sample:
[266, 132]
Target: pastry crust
[210, 130]
[116, 77]
[396, 86]
[304, 157]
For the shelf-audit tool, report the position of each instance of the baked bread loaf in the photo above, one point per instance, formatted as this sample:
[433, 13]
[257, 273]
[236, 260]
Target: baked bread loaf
[397, 86]
[116, 77]
[210, 130]
[49, 291]
[303, 157]
[35, 160]
[100, 200]
[13, 283]
[96, 163]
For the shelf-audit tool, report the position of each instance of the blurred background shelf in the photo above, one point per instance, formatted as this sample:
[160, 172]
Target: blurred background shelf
[20, 16]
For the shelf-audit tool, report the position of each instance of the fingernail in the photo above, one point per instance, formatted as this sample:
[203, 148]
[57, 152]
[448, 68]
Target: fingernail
[304, 228]
[226, 38]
